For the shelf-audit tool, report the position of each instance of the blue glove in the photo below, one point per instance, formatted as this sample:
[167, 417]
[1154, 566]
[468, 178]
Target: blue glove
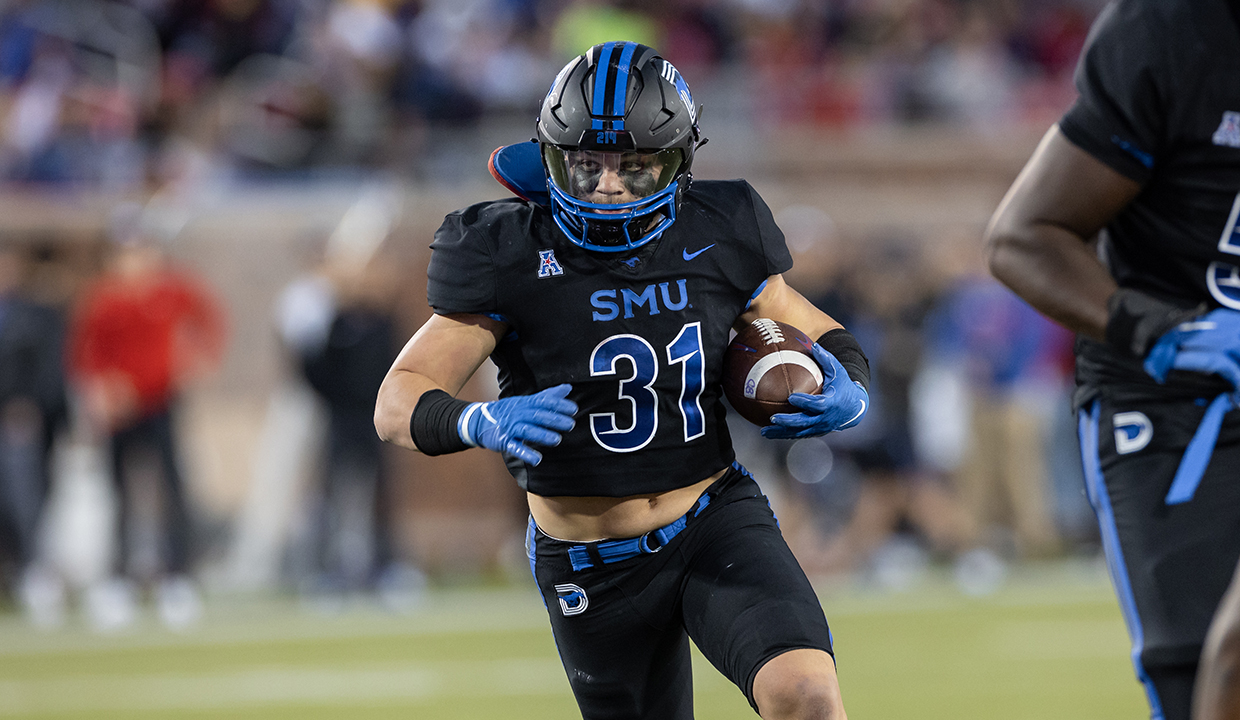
[1208, 344]
[841, 404]
[506, 425]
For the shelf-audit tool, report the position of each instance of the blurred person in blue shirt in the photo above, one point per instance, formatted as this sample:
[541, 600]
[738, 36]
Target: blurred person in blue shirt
[32, 408]
[1009, 355]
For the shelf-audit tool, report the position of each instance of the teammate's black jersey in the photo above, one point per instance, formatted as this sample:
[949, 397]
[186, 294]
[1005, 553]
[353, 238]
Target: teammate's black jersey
[1160, 103]
[640, 337]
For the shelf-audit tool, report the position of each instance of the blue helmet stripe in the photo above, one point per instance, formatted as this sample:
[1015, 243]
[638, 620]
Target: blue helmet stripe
[622, 84]
[601, 70]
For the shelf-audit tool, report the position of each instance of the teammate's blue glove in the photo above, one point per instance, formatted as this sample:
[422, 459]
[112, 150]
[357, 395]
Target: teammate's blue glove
[507, 425]
[841, 404]
[1208, 344]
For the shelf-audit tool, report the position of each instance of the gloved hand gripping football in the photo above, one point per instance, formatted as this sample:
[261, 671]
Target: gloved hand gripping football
[1208, 344]
[841, 404]
[507, 425]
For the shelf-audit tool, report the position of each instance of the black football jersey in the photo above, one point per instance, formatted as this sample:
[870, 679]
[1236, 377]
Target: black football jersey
[640, 336]
[1160, 103]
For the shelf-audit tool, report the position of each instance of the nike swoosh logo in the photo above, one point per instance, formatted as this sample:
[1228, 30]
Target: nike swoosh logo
[689, 256]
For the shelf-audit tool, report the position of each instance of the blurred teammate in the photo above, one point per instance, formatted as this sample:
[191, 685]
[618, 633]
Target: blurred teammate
[1148, 158]
[607, 315]
[344, 361]
[141, 333]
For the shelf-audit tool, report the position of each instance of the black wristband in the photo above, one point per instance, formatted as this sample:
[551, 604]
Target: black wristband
[841, 343]
[1135, 320]
[433, 423]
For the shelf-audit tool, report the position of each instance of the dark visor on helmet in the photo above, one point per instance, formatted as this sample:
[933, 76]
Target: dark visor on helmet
[579, 172]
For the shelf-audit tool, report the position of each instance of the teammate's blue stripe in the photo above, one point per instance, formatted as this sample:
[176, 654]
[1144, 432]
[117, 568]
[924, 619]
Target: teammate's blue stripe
[1095, 485]
[1197, 454]
[622, 84]
[601, 70]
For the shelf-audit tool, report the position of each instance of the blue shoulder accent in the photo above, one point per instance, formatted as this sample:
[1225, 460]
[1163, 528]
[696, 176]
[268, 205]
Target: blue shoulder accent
[1143, 157]
[512, 334]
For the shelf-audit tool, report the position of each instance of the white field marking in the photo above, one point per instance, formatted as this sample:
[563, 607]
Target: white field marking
[258, 623]
[270, 685]
[764, 365]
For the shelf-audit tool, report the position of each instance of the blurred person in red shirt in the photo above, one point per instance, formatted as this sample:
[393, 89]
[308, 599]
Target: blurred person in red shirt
[141, 333]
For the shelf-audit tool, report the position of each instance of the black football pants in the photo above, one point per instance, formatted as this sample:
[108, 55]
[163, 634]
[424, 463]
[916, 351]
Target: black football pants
[1170, 563]
[728, 582]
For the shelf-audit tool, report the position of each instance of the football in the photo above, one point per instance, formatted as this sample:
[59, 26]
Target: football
[765, 363]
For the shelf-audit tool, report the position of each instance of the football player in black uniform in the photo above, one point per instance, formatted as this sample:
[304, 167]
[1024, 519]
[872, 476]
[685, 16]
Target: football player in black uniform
[1148, 160]
[607, 313]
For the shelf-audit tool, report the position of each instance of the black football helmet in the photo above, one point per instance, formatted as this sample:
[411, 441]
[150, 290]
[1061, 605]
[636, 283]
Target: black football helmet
[617, 133]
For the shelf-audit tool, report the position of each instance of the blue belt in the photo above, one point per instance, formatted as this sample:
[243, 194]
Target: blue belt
[1197, 455]
[585, 557]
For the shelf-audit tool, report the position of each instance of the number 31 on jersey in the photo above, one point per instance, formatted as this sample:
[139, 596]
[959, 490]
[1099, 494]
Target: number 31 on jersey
[638, 388]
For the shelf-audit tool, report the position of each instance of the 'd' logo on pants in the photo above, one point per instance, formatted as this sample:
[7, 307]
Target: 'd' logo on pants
[1133, 431]
[573, 600]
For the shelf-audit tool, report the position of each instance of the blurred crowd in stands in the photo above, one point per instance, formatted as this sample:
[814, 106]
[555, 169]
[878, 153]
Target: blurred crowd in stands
[126, 94]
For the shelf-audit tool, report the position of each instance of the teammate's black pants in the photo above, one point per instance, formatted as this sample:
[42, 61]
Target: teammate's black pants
[152, 438]
[1170, 563]
[728, 581]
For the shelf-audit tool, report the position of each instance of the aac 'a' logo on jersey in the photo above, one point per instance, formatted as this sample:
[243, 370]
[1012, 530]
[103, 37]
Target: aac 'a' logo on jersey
[1223, 278]
[548, 265]
[573, 600]
[1133, 431]
[1228, 132]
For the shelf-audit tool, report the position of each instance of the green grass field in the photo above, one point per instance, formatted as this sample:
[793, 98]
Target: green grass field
[1049, 645]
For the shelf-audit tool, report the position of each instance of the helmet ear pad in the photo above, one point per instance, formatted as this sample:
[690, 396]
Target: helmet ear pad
[618, 97]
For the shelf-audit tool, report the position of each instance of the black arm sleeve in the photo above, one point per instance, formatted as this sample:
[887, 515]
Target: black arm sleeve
[841, 343]
[433, 423]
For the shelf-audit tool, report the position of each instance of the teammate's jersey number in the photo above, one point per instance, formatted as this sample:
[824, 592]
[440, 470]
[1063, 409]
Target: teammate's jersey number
[637, 390]
[1223, 278]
